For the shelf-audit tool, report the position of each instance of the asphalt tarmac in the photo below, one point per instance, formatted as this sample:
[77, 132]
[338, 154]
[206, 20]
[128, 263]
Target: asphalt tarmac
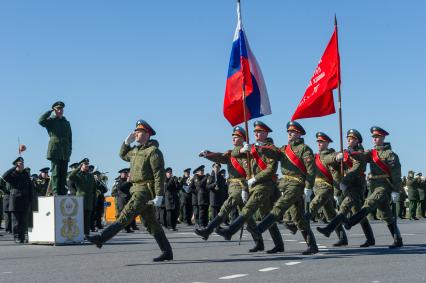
[128, 258]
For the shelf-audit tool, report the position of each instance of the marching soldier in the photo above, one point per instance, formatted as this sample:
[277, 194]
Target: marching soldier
[385, 178]
[326, 179]
[198, 187]
[60, 145]
[413, 195]
[297, 167]
[147, 178]
[237, 170]
[185, 197]
[21, 193]
[262, 186]
[86, 188]
[352, 188]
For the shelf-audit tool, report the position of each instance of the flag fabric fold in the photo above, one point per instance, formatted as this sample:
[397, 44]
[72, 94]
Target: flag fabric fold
[244, 71]
[318, 98]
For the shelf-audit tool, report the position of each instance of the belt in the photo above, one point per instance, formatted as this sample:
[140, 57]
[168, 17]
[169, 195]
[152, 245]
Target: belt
[146, 182]
[298, 179]
[320, 180]
[240, 181]
[378, 177]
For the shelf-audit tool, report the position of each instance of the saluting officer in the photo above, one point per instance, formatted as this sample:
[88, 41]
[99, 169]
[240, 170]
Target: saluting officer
[60, 145]
[147, 178]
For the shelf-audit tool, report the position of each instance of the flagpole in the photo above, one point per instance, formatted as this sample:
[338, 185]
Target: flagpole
[339, 96]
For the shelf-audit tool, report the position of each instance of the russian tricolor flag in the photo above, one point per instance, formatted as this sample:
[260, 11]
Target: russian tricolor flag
[244, 71]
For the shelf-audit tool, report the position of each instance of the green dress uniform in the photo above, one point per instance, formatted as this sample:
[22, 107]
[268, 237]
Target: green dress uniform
[413, 195]
[385, 179]
[297, 168]
[147, 176]
[352, 199]
[86, 188]
[400, 206]
[59, 149]
[236, 183]
[261, 193]
[421, 188]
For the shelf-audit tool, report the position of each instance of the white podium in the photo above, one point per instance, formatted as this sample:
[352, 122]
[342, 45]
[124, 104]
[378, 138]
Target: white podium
[58, 221]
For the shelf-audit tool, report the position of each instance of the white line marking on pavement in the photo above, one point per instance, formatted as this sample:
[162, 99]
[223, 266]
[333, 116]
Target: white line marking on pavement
[268, 269]
[7, 272]
[292, 263]
[233, 276]
[323, 250]
[185, 233]
[375, 281]
[408, 234]
[290, 240]
[302, 242]
[322, 247]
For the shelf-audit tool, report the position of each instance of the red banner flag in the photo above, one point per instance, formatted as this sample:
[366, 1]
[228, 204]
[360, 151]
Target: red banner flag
[318, 98]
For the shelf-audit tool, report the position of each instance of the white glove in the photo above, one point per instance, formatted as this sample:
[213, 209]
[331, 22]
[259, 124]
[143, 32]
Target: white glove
[337, 199]
[130, 138]
[157, 201]
[203, 153]
[308, 194]
[245, 196]
[395, 197]
[251, 181]
[343, 187]
[245, 148]
[339, 156]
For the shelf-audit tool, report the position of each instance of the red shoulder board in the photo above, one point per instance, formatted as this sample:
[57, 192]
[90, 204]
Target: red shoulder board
[296, 161]
[324, 171]
[379, 162]
[262, 165]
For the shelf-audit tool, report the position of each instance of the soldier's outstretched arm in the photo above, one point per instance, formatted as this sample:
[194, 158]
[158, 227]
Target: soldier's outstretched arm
[217, 157]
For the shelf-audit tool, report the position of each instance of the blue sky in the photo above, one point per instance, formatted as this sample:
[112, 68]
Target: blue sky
[113, 62]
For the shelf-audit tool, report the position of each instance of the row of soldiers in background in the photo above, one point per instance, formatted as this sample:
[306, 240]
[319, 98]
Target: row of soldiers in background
[195, 198]
[20, 198]
[415, 191]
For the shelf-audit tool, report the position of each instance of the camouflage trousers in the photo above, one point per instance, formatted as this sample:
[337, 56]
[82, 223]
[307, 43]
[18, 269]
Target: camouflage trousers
[138, 205]
[323, 199]
[261, 198]
[235, 200]
[291, 201]
[58, 178]
[380, 199]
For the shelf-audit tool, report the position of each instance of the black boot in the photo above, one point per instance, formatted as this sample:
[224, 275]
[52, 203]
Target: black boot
[166, 249]
[326, 231]
[396, 235]
[356, 218]
[128, 230]
[205, 232]
[277, 239]
[105, 235]
[266, 223]
[291, 226]
[17, 239]
[343, 240]
[259, 246]
[232, 229]
[310, 240]
[368, 232]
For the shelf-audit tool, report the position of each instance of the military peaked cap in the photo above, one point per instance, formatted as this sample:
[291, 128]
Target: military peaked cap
[85, 160]
[169, 169]
[58, 104]
[124, 170]
[187, 170]
[44, 170]
[323, 137]
[19, 159]
[199, 168]
[74, 165]
[377, 131]
[295, 126]
[260, 126]
[239, 132]
[355, 134]
[143, 125]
